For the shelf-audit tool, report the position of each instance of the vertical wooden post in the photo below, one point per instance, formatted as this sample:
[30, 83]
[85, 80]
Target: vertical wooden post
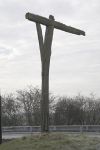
[0, 121]
[45, 77]
[45, 52]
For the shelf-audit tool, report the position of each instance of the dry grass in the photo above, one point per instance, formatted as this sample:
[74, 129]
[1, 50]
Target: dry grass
[53, 141]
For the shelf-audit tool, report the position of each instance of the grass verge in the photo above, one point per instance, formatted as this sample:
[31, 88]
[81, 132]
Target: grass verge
[53, 141]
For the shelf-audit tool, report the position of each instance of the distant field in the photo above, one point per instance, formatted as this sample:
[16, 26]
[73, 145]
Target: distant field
[53, 141]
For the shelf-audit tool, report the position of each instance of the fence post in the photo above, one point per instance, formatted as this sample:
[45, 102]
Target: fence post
[81, 129]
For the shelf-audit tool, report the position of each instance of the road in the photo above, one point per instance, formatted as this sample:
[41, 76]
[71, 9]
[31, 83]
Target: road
[14, 135]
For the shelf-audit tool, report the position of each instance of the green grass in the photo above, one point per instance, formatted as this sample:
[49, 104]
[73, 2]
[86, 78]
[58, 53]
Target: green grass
[53, 141]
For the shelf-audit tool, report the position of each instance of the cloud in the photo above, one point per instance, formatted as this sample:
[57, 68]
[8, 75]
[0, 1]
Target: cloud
[4, 51]
[75, 61]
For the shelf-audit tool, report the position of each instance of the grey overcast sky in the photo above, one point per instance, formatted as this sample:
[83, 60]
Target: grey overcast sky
[75, 60]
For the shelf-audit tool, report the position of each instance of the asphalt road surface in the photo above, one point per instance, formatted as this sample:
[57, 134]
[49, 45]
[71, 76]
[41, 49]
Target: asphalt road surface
[15, 135]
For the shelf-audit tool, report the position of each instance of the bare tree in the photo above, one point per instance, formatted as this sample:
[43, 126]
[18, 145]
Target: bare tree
[30, 102]
[69, 110]
[10, 110]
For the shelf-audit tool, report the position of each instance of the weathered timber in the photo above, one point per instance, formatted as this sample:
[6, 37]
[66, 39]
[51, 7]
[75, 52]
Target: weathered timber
[57, 25]
[45, 52]
[40, 39]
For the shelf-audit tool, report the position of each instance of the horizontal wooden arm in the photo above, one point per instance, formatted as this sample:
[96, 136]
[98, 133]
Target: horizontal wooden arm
[57, 25]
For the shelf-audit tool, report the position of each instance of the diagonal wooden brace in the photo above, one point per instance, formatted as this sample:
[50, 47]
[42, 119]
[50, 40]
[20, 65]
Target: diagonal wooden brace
[40, 39]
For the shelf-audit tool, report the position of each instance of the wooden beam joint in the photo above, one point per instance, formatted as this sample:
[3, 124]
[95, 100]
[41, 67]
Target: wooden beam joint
[50, 22]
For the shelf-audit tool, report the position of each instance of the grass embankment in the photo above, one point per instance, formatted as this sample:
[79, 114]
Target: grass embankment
[53, 141]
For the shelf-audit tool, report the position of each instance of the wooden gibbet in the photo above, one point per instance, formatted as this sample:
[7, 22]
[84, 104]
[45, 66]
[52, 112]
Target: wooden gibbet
[45, 52]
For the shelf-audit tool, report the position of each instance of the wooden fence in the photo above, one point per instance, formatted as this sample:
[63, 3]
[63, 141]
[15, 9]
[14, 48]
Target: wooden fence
[58, 128]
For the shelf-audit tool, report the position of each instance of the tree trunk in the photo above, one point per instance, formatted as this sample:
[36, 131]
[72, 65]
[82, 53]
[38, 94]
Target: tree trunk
[0, 122]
